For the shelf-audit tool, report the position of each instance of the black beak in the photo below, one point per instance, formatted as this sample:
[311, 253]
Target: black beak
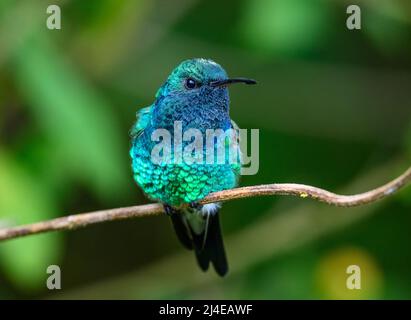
[225, 82]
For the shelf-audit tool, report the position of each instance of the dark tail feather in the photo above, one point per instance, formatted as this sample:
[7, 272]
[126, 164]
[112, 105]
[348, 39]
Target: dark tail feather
[181, 229]
[211, 249]
[202, 254]
[208, 246]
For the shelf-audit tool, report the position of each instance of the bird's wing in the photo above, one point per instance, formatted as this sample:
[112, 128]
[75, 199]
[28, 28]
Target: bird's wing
[143, 119]
[234, 125]
[236, 167]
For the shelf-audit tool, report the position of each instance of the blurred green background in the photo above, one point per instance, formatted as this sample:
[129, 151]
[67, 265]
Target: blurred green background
[332, 105]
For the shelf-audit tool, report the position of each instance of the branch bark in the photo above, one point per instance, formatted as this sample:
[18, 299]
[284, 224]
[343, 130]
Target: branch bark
[303, 191]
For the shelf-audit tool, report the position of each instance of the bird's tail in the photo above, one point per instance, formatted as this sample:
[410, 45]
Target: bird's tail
[203, 234]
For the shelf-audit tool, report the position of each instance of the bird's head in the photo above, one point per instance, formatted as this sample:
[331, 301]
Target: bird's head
[198, 76]
[198, 86]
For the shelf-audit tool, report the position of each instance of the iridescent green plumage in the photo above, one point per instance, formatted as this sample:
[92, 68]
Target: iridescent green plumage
[176, 184]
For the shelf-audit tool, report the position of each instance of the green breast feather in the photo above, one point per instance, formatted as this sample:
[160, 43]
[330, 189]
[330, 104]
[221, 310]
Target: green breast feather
[175, 184]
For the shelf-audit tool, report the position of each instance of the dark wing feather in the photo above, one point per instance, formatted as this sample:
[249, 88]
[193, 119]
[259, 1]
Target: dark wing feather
[183, 234]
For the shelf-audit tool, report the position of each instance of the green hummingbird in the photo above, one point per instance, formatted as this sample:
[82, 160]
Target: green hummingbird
[195, 95]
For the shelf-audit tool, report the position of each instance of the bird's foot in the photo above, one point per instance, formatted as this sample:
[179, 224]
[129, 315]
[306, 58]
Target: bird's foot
[195, 205]
[169, 210]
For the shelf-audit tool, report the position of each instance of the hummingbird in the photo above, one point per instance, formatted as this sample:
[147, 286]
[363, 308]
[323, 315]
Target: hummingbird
[195, 95]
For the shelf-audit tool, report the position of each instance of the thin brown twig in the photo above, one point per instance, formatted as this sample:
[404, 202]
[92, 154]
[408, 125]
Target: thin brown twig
[304, 191]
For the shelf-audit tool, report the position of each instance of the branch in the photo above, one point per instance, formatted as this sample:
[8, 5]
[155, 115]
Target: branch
[84, 219]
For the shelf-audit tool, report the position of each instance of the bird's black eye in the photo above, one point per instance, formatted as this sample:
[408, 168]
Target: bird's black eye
[190, 83]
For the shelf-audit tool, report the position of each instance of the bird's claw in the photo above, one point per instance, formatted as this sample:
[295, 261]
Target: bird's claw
[168, 210]
[195, 205]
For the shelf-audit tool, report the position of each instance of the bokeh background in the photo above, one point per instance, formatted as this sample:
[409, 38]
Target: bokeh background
[333, 107]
